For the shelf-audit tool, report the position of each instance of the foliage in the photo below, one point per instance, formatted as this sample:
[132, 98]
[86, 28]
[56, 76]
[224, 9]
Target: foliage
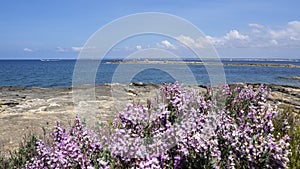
[25, 151]
[4, 162]
[288, 115]
[182, 129]
[295, 148]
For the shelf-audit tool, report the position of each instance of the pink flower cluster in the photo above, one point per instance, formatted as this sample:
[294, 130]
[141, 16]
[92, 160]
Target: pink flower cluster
[179, 129]
[78, 148]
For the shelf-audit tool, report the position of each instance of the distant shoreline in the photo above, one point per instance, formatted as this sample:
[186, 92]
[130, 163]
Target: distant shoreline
[202, 63]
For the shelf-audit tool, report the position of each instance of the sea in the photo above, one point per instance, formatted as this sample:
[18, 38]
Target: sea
[55, 73]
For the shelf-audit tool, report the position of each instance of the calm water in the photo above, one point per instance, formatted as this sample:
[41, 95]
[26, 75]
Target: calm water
[36, 73]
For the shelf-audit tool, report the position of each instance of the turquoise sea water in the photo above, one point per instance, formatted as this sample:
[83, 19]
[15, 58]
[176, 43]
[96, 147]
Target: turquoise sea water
[59, 73]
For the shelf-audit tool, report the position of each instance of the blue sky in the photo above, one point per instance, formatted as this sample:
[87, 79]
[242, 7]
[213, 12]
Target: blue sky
[59, 28]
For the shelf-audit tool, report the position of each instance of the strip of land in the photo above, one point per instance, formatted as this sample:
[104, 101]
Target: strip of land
[291, 78]
[202, 63]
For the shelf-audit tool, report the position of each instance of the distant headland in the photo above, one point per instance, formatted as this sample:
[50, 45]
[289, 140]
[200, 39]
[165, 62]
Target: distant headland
[201, 63]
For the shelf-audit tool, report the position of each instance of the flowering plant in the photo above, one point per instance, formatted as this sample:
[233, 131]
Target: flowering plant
[231, 128]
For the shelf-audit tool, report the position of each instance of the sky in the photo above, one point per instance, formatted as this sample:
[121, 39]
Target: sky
[40, 29]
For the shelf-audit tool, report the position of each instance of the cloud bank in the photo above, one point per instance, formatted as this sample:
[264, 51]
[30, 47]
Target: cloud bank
[257, 40]
[27, 50]
[260, 36]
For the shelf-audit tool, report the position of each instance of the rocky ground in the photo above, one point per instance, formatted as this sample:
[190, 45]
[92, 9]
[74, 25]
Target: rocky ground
[24, 110]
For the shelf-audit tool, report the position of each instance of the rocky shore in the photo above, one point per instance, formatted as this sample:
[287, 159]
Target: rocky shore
[24, 110]
[291, 78]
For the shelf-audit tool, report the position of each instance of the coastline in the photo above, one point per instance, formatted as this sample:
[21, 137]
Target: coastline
[36, 110]
[202, 63]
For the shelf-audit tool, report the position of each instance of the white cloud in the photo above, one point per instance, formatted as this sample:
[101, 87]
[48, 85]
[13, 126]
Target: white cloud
[255, 25]
[274, 42]
[138, 47]
[256, 28]
[215, 41]
[189, 41]
[76, 49]
[286, 36]
[186, 40]
[258, 36]
[231, 39]
[291, 32]
[61, 49]
[131, 48]
[294, 30]
[166, 44]
[235, 35]
[127, 48]
[27, 50]
[79, 48]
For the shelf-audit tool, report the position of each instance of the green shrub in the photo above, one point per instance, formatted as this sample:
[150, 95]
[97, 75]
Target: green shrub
[295, 148]
[288, 115]
[4, 162]
[25, 151]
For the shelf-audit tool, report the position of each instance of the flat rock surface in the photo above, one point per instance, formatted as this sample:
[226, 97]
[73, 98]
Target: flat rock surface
[36, 110]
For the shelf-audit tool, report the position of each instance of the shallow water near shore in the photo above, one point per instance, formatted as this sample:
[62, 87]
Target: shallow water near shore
[58, 73]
